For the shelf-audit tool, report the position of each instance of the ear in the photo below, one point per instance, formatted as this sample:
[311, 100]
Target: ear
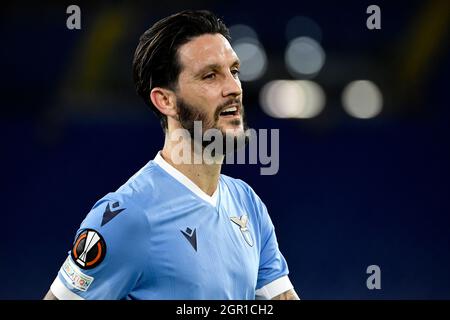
[164, 100]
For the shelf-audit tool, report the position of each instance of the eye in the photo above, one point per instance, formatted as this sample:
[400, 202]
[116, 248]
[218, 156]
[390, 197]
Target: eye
[235, 72]
[209, 76]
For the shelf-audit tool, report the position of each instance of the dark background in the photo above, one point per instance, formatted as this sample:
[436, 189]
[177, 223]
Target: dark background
[349, 193]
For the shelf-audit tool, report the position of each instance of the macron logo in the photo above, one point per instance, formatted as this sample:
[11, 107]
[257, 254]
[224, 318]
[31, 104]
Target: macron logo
[191, 235]
[108, 215]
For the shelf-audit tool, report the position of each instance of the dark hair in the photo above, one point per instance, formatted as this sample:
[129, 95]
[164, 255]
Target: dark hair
[156, 62]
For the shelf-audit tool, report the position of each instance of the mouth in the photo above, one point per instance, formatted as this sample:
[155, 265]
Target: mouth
[230, 111]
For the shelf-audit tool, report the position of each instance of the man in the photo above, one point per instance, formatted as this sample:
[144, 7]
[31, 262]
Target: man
[180, 230]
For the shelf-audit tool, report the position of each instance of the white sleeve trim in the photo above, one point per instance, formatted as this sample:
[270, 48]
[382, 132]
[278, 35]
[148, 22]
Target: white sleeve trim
[274, 288]
[60, 291]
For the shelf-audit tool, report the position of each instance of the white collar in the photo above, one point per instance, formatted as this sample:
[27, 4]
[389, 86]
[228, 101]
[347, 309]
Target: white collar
[186, 181]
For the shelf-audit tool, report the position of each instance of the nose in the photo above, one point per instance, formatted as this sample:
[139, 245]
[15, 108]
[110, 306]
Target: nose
[232, 86]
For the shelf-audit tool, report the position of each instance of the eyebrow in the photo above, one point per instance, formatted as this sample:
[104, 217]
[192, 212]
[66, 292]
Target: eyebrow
[215, 66]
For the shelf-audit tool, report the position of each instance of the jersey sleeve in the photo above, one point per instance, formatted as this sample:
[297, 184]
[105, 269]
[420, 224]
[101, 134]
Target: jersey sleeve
[107, 256]
[273, 269]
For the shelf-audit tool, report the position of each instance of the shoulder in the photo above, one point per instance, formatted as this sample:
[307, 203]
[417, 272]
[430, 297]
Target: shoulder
[114, 208]
[123, 211]
[142, 184]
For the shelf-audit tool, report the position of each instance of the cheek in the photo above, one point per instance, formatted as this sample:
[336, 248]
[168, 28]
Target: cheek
[210, 89]
[209, 97]
[205, 96]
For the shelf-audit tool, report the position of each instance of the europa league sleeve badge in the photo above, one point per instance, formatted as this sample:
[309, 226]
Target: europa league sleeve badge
[89, 249]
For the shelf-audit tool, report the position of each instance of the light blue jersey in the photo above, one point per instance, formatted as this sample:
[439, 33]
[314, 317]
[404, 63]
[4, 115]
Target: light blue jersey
[159, 236]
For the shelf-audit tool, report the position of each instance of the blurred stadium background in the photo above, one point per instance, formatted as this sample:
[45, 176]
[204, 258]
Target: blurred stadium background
[363, 118]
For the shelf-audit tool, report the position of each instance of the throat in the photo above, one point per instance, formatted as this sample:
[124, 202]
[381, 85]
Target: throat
[204, 176]
[207, 180]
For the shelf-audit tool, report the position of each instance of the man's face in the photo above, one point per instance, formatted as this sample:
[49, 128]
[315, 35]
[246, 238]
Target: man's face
[209, 89]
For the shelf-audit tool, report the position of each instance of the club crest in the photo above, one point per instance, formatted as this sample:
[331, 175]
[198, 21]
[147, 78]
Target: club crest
[242, 222]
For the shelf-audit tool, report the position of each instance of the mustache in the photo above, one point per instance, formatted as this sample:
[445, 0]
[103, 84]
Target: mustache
[223, 106]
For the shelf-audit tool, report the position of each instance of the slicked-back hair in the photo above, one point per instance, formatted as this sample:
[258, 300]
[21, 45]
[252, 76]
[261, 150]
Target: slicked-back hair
[156, 61]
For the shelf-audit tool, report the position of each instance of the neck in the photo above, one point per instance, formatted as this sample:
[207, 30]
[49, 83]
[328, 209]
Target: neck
[204, 175]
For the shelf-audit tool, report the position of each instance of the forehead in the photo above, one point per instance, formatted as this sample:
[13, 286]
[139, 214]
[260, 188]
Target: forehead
[207, 49]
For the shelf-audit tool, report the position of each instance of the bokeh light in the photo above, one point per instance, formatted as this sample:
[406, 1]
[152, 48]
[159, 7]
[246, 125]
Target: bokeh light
[250, 51]
[292, 99]
[304, 56]
[362, 99]
[253, 59]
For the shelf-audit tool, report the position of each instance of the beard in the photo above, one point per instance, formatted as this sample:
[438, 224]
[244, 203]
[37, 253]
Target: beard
[188, 114]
